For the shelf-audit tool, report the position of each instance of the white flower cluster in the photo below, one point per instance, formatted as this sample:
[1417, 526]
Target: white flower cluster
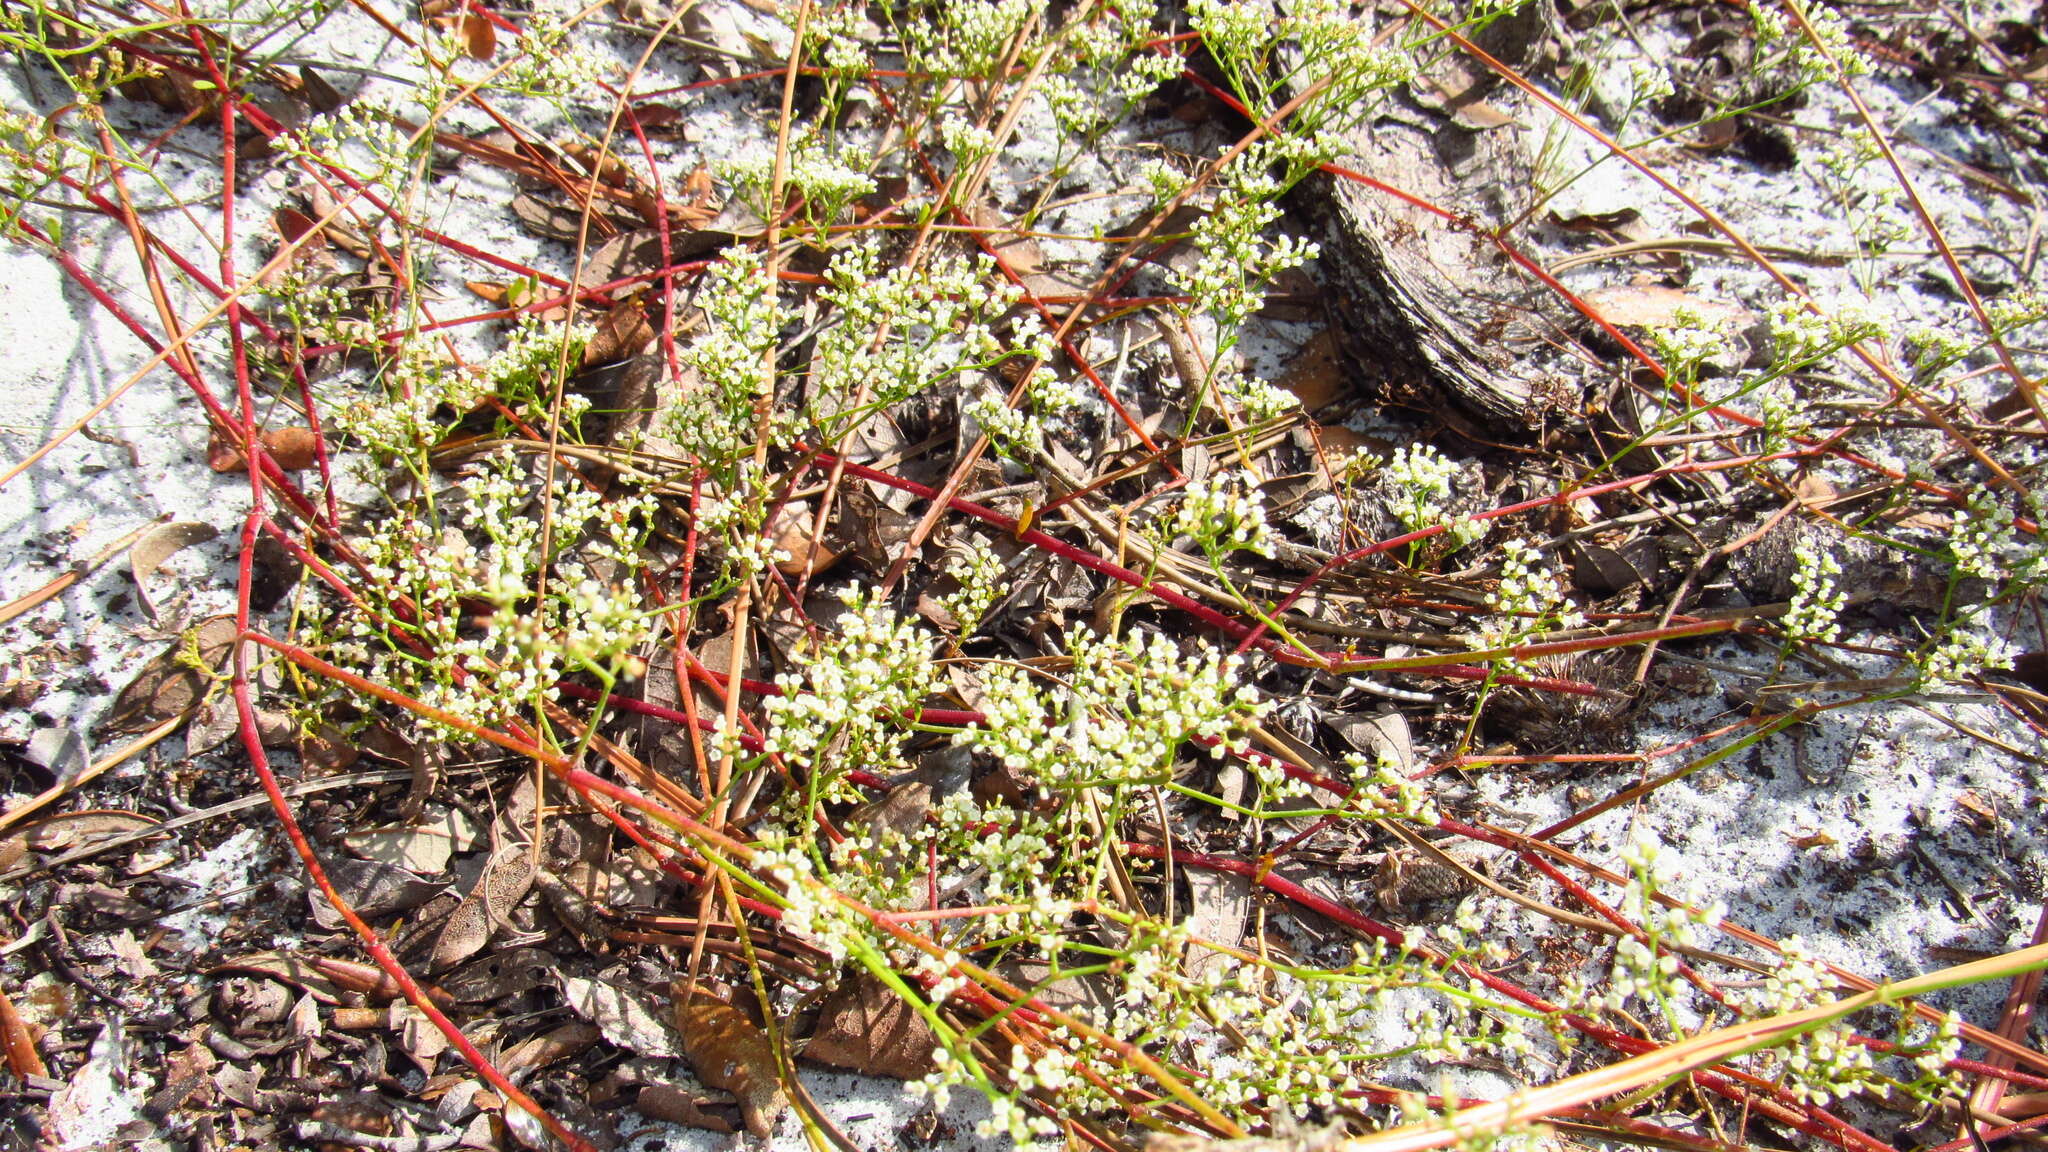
[1935, 348]
[1648, 82]
[424, 584]
[1963, 649]
[806, 913]
[1224, 514]
[1162, 179]
[1931, 1051]
[1419, 478]
[1259, 399]
[406, 420]
[968, 39]
[1787, 416]
[852, 697]
[1829, 1064]
[1328, 41]
[1110, 49]
[1527, 588]
[1018, 858]
[1691, 342]
[1229, 281]
[1800, 336]
[1816, 599]
[1121, 716]
[1800, 58]
[978, 571]
[425, 394]
[1853, 171]
[361, 138]
[321, 312]
[1645, 967]
[1821, 1065]
[906, 329]
[1019, 432]
[1388, 793]
[553, 61]
[823, 178]
[1308, 1052]
[1981, 539]
[2017, 310]
[1008, 1117]
[840, 36]
[524, 371]
[715, 421]
[735, 516]
[969, 142]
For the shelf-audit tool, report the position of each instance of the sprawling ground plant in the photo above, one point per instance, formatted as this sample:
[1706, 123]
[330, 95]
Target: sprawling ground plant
[874, 406]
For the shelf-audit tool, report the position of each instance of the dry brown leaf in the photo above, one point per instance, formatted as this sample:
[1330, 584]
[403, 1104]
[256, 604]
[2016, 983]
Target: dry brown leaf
[1467, 109]
[866, 1026]
[186, 1076]
[294, 449]
[299, 971]
[169, 685]
[1338, 444]
[622, 334]
[374, 889]
[64, 832]
[1219, 907]
[157, 545]
[369, 981]
[627, 1016]
[549, 219]
[1654, 306]
[808, 556]
[217, 720]
[423, 848]
[328, 748]
[1316, 375]
[700, 205]
[730, 1052]
[503, 973]
[294, 225]
[1383, 736]
[671, 1104]
[20, 1043]
[318, 93]
[1602, 570]
[1983, 814]
[556, 1044]
[479, 36]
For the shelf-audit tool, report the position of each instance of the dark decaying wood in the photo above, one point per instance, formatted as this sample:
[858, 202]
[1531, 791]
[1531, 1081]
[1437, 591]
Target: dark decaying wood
[1429, 309]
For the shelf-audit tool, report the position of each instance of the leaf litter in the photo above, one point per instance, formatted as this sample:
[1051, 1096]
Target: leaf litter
[461, 886]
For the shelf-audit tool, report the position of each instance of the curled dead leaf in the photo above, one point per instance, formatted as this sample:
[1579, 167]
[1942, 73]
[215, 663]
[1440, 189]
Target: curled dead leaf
[294, 225]
[294, 449]
[1655, 306]
[622, 334]
[479, 36]
[157, 545]
[730, 1052]
[175, 680]
[866, 1026]
[20, 1043]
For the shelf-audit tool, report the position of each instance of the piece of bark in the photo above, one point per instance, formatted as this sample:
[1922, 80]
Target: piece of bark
[1429, 309]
